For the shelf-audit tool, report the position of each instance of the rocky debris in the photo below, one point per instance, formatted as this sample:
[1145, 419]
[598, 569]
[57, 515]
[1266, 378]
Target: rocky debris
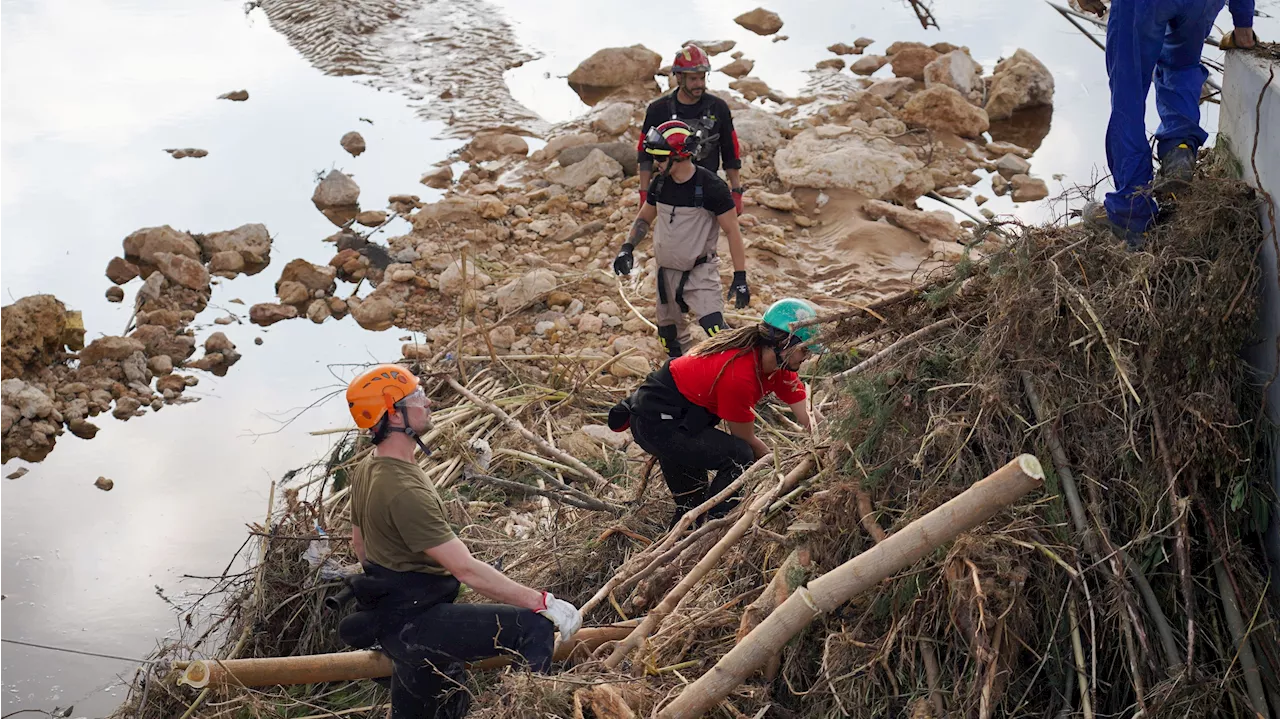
[613, 118]
[374, 313]
[843, 49]
[126, 408]
[757, 130]
[999, 149]
[226, 264]
[115, 294]
[581, 174]
[753, 87]
[439, 178]
[624, 153]
[451, 279]
[34, 330]
[110, 348]
[1010, 165]
[781, 203]
[980, 200]
[760, 21]
[235, 95]
[959, 72]
[318, 280]
[179, 153]
[1027, 188]
[160, 365]
[525, 289]
[630, 366]
[371, 218]
[251, 241]
[834, 156]
[18, 473]
[942, 108]
[120, 270]
[183, 270]
[999, 185]
[863, 42]
[911, 61]
[868, 64]
[615, 67]
[561, 142]
[353, 142]
[160, 340]
[936, 225]
[833, 63]
[1018, 82]
[494, 146]
[599, 192]
[219, 354]
[29, 421]
[338, 197]
[266, 314]
[503, 337]
[143, 244]
[104, 484]
[739, 68]
[714, 47]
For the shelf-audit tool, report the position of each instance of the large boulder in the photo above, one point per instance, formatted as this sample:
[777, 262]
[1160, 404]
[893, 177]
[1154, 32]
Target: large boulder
[116, 349]
[832, 156]
[375, 312]
[494, 146]
[616, 67]
[910, 62]
[624, 153]
[337, 192]
[182, 270]
[145, 243]
[316, 278]
[753, 87]
[959, 72]
[760, 21]
[613, 118]
[581, 174]
[739, 68]
[562, 142]
[526, 289]
[1018, 81]
[868, 64]
[33, 329]
[934, 225]
[250, 241]
[1027, 188]
[757, 129]
[266, 314]
[942, 108]
[120, 270]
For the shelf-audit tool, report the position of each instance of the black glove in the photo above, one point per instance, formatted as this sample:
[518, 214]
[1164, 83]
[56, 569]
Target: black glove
[622, 263]
[738, 290]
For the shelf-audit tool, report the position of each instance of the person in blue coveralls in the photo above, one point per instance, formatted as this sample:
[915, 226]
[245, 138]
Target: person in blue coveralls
[1161, 38]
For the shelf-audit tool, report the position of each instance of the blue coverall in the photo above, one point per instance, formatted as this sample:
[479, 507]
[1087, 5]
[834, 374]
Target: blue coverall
[1164, 36]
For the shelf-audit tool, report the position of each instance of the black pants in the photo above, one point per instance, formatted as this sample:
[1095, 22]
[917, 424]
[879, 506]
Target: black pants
[686, 457]
[431, 647]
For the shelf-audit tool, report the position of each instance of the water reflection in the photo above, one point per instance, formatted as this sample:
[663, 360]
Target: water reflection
[1027, 128]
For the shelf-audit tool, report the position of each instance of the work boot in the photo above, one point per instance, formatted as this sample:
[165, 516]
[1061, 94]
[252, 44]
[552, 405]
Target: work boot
[1177, 167]
[1094, 215]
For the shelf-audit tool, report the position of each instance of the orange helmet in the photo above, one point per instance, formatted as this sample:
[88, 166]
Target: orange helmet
[377, 391]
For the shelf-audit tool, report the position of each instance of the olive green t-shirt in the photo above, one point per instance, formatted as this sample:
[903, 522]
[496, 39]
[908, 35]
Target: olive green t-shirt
[399, 515]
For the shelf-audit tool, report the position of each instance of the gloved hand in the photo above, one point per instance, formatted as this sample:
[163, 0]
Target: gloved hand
[644, 197]
[738, 290]
[737, 200]
[1241, 37]
[564, 615]
[622, 263]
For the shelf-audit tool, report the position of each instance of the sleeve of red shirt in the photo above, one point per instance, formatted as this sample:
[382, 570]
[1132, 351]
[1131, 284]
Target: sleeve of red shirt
[787, 386]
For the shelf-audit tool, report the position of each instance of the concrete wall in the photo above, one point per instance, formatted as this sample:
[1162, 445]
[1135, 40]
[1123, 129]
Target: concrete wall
[1242, 123]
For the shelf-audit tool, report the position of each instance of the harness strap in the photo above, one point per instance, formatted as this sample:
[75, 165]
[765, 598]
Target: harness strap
[684, 277]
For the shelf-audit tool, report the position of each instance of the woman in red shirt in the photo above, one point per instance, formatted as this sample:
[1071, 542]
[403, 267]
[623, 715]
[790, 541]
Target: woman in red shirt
[674, 414]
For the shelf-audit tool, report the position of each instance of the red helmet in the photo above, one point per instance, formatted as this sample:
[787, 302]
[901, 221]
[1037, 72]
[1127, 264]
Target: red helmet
[672, 138]
[691, 59]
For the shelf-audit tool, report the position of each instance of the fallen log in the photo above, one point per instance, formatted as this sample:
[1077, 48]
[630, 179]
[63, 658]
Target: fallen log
[348, 666]
[826, 593]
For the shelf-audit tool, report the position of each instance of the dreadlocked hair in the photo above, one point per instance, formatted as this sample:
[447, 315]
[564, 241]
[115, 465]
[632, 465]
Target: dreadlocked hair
[744, 339]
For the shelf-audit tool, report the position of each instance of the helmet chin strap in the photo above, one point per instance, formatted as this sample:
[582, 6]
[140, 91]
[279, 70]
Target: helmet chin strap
[409, 431]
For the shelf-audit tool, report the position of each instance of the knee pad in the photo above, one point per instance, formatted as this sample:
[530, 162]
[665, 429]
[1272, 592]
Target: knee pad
[713, 323]
[669, 336]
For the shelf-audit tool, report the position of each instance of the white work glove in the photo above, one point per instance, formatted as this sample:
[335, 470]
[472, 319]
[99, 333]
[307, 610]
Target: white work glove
[564, 615]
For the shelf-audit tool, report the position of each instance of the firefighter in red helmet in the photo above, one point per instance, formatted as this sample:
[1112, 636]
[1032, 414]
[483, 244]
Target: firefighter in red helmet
[706, 115]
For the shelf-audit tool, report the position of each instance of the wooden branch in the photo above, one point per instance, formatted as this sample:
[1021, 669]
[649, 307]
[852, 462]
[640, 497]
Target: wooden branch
[1178, 509]
[774, 594]
[537, 441]
[1240, 639]
[572, 500]
[975, 505]
[898, 347]
[654, 619]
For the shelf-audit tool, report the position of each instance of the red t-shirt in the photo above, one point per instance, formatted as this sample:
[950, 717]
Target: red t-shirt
[736, 392]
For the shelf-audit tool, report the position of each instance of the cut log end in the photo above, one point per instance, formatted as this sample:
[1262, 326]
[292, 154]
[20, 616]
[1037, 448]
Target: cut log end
[1030, 466]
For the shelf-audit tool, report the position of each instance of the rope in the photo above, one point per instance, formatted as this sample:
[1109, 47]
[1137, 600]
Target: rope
[79, 651]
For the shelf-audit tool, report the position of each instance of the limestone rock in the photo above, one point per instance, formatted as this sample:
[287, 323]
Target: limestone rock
[1027, 188]
[959, 72]
[910, 62]
[120, 270]
[624, 153]
[374, 313]
[353, 142]
[451, 284]
[739, 68]
[713, 47]
[251, 240]
[630, 366]
[115, 294]
[1018, 82]
[868, 64]
[613, 118]
[372, 218]
[526, 289]
[494, 146]
[179, 153]
[752, 88]
[292, 293]
[1010, 165]
[936, 225]
[457, 209]
[235, 95]
[126, 407]
[757, 130]
[440, 178]
[104, 484]
[145, 243]
[30, 401]
[581, 174]
[562, 142]
[33, 329]
[316, 278]
[590, 323]
[182, 270]
[781, 203]
[843, 49]
[82, 428]
[109, 348]
[616, 67]
[760, 21]
[833, 156]
[503, 337]
[895, 90]
[336, 191]
[942, 108]
[160, 365]
[831, 63]
[598, 193]
[999, 185]
[266, 314]
[159, 340]
[226, 264]
[863, 42]
[1000, 149]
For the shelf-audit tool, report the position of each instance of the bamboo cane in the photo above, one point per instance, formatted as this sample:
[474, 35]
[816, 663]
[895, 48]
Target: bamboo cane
[1240, 638]
[347, 666]
[826, 593]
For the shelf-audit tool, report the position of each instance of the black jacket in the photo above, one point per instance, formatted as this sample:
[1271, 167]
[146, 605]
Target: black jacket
[711, 113]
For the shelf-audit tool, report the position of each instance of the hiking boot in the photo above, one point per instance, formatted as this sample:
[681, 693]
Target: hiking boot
[1094, 214]
[1177, 167]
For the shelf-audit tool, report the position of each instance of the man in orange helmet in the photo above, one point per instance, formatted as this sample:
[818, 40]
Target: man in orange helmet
[707, 115]
[413, 564]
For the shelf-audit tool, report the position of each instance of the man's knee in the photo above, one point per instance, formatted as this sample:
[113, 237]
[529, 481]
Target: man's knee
[740, 453]
[669, 336]
[538, 642]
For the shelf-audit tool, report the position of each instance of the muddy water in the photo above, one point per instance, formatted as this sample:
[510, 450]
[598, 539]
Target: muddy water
[94, 92]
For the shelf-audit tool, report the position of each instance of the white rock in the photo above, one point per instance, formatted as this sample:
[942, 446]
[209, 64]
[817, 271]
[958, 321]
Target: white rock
[935, 225]
[451, 284]
[613, 119]
[831, 156]
[1019, 81]
[590, 323]
[584, 173]
[598, 193]
[336, 190]
[526, 289]
[959, 72]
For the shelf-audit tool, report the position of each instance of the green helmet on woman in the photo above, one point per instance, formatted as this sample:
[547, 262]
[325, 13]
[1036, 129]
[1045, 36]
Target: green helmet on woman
[784, 313]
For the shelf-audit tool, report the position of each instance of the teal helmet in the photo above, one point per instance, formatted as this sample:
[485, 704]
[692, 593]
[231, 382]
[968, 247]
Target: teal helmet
[782, 314]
